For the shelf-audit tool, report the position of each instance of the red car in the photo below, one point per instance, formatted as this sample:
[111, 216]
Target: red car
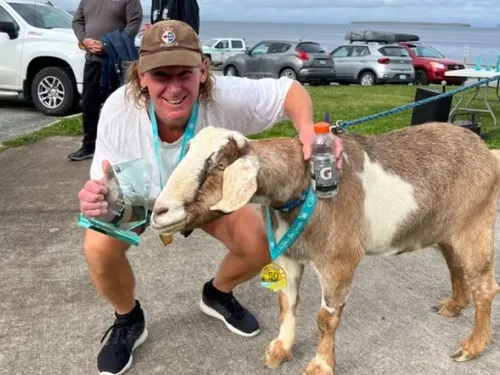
[430, 65]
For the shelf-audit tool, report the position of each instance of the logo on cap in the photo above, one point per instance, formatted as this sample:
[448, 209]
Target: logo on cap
[168, 36]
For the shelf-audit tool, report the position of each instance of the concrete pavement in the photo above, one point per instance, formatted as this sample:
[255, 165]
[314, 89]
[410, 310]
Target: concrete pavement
[51, 317]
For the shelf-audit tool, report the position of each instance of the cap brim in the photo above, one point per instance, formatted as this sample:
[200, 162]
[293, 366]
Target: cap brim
[169, 58]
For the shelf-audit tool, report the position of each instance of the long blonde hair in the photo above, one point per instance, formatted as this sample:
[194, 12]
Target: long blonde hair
[139, 96]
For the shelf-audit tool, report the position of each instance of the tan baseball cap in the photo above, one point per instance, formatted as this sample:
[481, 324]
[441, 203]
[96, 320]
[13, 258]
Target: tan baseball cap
[169, 43]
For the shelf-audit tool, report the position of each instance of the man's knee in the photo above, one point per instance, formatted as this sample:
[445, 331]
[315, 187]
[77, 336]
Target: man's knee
[100, 249]
[241, 231]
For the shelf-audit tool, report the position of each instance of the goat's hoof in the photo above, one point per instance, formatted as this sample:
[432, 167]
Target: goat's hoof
[449, 308]
[318, 366]
[470, 349]
[276, 354]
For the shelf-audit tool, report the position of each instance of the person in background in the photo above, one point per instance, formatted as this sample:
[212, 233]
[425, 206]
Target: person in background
[92, 20]
[186, 11]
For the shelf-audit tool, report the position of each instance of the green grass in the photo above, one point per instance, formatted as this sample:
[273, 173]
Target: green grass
[353, 102]
[343, 103]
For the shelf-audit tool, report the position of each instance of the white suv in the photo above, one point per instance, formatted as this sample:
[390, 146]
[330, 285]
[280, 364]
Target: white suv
[39, 56]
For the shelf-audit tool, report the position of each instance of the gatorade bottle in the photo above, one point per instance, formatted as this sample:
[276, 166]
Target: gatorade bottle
[324, 174]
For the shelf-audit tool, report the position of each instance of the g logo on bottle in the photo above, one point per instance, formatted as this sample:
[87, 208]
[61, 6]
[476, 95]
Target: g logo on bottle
[326, 173]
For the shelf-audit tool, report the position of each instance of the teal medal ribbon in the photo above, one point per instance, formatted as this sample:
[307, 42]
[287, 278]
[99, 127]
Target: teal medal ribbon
[277, 249]
[188, 134]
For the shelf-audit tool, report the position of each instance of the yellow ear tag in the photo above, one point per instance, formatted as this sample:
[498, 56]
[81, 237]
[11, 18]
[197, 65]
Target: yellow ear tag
[167, 239]
[273, 277]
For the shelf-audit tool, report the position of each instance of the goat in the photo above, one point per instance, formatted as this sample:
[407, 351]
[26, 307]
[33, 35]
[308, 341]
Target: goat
[431, 185]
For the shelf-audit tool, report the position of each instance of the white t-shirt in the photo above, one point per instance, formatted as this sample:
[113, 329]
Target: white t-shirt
[124, 131]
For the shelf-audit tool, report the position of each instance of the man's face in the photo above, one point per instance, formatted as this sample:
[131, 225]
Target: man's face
[174, 90]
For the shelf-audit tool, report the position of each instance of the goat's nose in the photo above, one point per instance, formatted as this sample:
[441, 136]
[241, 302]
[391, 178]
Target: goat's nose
[160, 210]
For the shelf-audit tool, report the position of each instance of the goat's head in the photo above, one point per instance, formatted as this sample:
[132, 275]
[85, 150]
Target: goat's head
[217, 175]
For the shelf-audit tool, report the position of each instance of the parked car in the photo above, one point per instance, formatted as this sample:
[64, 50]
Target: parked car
[430, 64]
[305, 61]
[40, 56]
[369, 63]
[219, 49]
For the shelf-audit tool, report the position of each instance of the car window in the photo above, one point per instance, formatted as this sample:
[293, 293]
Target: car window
[43, 16]
[261, 48]
[360, 51]
[222, 44]
[236, 44]
[5, 17]
[278, 48]
[394, 51]
[423, 51]
[343, 51]
[310, 47]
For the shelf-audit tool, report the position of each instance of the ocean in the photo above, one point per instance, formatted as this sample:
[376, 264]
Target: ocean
[450, 41]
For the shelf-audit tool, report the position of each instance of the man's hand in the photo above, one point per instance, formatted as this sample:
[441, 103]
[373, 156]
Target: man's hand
[93, 197]
[94, 46]
[306, 137]
[146, 27]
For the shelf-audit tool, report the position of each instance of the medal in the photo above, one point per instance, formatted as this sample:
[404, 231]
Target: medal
[167, 239]
[273, 277]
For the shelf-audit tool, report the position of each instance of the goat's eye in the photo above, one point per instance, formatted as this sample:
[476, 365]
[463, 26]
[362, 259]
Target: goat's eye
[221, 165]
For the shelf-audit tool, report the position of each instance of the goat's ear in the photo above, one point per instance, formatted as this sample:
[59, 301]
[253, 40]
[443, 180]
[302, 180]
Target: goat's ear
[239, 184]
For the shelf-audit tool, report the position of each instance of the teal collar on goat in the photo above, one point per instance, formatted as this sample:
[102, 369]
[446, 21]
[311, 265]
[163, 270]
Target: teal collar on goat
[277, 249]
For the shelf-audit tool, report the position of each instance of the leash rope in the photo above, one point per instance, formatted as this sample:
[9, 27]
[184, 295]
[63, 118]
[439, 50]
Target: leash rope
[344, 124]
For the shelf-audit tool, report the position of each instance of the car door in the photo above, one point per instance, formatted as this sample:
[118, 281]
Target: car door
[357, 59]
[219, 54]
[274, 59]
[341, 61]
[255, 61]
[235, 48]
[11, 52]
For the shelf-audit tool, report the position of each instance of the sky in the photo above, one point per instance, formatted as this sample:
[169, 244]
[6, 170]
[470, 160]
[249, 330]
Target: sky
[478, 13]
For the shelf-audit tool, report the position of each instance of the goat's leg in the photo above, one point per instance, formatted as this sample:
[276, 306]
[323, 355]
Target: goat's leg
[279, 350]
[475, 248]
[335, 277]
[453, 306]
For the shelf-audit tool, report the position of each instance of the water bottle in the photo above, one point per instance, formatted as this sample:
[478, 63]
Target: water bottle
[324, 174]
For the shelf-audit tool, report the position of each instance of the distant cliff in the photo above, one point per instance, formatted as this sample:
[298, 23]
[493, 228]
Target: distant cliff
[446, 24]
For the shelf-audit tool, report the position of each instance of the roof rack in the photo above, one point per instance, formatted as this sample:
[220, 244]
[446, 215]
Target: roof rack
[379, 36]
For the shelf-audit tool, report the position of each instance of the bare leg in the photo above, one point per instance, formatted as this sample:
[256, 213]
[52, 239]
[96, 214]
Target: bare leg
[110, 270]
[243, 232]
[279, 350]
[453, 306]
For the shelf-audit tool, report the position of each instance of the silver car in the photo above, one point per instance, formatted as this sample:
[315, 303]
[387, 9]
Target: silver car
[305, 61]
[372, 63]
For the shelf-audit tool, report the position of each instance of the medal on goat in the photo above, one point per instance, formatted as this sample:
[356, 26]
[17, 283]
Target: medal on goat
[273, 276]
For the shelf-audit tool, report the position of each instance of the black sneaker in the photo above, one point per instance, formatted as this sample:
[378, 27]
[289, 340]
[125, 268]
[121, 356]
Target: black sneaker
[225, 307]
[82, 154]
[127, 334]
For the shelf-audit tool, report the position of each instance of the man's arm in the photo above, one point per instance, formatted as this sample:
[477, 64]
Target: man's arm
[133, 14]
[79, 22]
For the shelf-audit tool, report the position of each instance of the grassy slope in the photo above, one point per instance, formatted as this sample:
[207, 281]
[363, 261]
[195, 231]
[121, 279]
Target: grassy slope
[343, 103]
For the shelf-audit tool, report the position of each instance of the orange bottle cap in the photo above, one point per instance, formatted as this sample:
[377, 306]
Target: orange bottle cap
[321, 128]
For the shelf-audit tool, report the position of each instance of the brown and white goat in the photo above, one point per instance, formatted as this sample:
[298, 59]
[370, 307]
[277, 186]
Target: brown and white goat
[429, 185]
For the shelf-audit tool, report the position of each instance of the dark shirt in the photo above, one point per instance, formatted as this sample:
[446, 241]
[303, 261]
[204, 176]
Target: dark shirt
[94, 18]
[186, 11]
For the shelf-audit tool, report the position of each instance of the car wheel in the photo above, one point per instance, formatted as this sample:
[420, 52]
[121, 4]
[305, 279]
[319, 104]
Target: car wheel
[367, 79]
[289, 73]
[421, 77]
[53, 91]
[231, 71]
